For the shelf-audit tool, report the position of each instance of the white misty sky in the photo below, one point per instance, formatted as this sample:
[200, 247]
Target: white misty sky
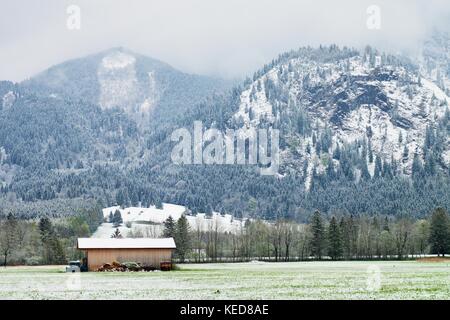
[227, 38]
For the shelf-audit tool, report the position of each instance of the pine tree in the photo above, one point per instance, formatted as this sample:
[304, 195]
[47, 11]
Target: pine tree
[337, 152]
[169, 228]
[440, 232]
[45, 229]
[116, 234]
[430, 165]
[349, 236]
[334, 240]
[318, 237]
[429, 140]
[117, 218]
[378, 167]
[405, 153]
[53, 249]
[365, 174]
[370, 151]
[182, 238]
[330, 170]
[345, 237]
[209, 211]
[59, 255]
[417, 168]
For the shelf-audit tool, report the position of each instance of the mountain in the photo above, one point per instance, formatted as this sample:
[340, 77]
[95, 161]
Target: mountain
[86, 112]
[361, 132]
[325, 101]
[119, 78]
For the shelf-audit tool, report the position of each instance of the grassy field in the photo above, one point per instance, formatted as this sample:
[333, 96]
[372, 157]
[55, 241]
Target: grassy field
[253, 280]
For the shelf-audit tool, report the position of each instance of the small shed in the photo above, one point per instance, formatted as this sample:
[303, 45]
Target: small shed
[146, 251]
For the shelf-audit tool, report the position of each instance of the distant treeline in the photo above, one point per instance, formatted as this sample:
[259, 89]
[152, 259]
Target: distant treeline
[338, 238]
[347, 237]
[45, 241]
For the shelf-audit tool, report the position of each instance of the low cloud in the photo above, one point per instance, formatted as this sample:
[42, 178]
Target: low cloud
[229, 38]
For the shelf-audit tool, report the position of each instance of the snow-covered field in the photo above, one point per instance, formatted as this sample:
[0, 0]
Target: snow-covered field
[148, 221]
[253, 280]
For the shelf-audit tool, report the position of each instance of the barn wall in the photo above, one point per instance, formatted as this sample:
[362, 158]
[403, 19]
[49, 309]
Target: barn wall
[98, 257]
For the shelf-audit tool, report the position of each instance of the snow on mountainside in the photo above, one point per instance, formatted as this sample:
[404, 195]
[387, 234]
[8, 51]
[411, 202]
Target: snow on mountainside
[120, 78]
[8, 100]
[148, 221]
[119, 85]
[117, 78]
[7, 95]
[358, 97]
[352, 125]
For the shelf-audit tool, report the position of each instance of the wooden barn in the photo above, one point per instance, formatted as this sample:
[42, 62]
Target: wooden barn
[146, 251]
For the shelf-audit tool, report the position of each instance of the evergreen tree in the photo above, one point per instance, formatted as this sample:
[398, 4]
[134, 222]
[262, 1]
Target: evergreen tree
[405, 153]
[59, 255]
[337, 152]
[349, 236]
[345, 237]
[440, 232]
[182, 238]
[169, 228]
[334, 240]
[417, 168]
[365, 174]
[387, 170]
[53, 249]
[370, 151]
[116, 234]
[117, 218]
[378, 167]
[318, 235]
[430, 164]
[209, 211]
[330, 170]
[429, 140]
[46, 230]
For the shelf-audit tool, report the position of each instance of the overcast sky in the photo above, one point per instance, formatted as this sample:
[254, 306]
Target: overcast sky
[227, 38]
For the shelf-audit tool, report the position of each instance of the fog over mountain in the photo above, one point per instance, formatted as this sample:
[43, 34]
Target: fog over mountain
[228, 39]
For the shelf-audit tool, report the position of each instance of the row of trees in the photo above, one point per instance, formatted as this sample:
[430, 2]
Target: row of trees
[115, 218]
[44, 241]
[346, 237]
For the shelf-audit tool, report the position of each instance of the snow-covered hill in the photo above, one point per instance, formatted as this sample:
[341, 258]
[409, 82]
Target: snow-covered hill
[148, 221]
[345, 97]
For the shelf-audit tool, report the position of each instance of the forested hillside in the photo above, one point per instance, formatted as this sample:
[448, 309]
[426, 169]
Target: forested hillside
[362, 132]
